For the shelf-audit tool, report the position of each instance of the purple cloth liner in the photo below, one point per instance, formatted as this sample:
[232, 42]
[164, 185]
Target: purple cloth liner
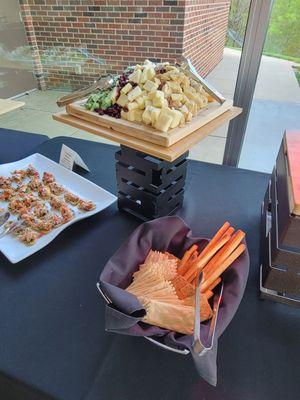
[124, 313]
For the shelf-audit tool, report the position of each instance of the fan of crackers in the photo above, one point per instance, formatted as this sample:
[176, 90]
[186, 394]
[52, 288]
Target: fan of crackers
[165, 285]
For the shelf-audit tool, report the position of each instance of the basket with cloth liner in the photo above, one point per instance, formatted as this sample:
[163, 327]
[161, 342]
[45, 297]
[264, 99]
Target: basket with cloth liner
[125, 313]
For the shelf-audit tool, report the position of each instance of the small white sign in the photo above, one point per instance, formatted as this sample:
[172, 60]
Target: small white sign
[69, 157]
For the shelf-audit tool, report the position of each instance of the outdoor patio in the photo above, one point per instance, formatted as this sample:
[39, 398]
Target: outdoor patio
[277, 95]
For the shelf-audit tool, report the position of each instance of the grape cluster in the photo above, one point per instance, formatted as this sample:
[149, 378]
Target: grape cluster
[114, 111]
[123, 79]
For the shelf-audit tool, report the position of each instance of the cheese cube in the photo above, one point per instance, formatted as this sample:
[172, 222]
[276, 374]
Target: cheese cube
[174, 114]
[164, 122]
[141, 102]
[148, 73]
[125, 89]
[138, 115]
[184, 110]
[151, 95]
[165, 103]
[176, 119]
[124, 114]
[158, 99]
[135, 76]
[148, 103]
[189, 117]
[175, 87]
[131, 115]
[154, 114]
[122, 100]
[182, 121]
[132, 106]
[146, 117]
[176, 96]
[150, 86]
[134, 93]
[191, 95]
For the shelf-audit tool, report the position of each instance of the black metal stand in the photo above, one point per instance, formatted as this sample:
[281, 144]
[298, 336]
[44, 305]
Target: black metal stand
[149, 187]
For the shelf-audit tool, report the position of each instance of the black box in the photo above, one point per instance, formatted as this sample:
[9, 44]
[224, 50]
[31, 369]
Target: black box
[149, 187]
[280, 265]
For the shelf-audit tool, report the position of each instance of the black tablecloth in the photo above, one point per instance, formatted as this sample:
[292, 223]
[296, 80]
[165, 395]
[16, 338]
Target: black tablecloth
[15, 145]
[52, 338]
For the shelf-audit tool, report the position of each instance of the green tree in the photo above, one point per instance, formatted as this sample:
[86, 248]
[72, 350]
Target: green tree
[283, 35]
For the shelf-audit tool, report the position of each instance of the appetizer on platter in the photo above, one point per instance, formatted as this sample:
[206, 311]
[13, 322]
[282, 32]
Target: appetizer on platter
[165, 285]
[40, 204]
[160, 95]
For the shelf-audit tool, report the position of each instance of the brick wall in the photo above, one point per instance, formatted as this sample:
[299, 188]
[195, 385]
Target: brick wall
[73, 37]
[204, 33]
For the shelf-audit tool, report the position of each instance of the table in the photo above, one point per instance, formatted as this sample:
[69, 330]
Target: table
[15, 145]
[7, 105]
[52, 339]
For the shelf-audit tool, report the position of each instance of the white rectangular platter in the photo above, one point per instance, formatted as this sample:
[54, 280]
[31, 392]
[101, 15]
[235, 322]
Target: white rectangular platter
[16, 251]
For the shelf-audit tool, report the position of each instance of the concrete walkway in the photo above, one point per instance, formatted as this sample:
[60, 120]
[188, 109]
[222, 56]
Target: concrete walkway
[276, 107]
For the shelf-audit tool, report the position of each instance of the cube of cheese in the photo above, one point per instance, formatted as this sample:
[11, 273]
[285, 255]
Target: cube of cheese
[125, 89]
[189, 117]
[191, 95]
[148, 62]
[146, 117]
[148, 103]
[148, 73]
[150, 86]
[184, 110]
[202, 100]
[135, 76]
[124, 114]
[175, 87]
[176, 96]
[158, 99]
[134, 93]
[131, 115]
[151, 95]
[138, 115]
[182, 120]
[174, 114]
[164, 122]
[165, 103]
[176, 119]
[133, 105]
[141, 102]
[122, 100]
[154, 114]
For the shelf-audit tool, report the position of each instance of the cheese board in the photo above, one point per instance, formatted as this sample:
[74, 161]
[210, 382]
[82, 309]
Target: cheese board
[165, 153]
[145, 132]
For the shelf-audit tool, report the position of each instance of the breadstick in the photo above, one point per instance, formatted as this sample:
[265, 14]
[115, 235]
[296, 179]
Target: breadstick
[216, 238]
[189, 263]
[214, 284]
[221, 268]
[229, 231]
[209, 294]
[186, 257]
[203, 260]
[221, 256]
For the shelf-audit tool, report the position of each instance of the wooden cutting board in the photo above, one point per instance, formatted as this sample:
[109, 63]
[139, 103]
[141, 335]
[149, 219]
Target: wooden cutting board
[145, 132]
[165, 153]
